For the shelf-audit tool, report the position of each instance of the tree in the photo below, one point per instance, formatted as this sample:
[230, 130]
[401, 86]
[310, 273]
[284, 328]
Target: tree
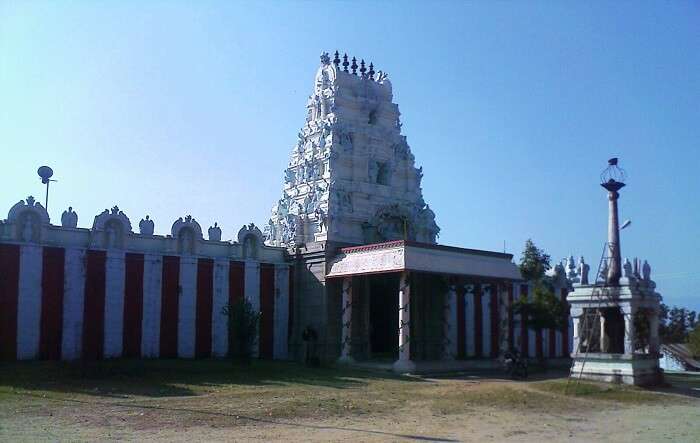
[534, 262]
[243, 323]
[694, 341]
[545, 310]
[676, 323]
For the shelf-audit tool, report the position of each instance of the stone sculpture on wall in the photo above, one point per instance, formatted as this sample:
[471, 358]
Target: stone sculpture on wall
[188, 233]
[69, 219]
[250, 237]
[214, 232]
[28, 216]
[146, 226]
[112, 225]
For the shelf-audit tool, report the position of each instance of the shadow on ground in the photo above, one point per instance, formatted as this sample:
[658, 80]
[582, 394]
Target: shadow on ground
[172, 378]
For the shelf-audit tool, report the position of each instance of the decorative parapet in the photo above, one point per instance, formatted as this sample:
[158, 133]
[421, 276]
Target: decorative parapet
[111, 227]
[28, 217]
[188, 233]
[251, 238]
[28, 222]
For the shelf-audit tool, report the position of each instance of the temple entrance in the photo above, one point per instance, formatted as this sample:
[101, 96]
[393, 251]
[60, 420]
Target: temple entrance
[383, 316]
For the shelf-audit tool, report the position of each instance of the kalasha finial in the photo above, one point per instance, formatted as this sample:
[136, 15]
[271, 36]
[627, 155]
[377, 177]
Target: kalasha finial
[336, 59]
[354, 66]
[345, 62]
[371, 71]
[363, 70]
[325, 59]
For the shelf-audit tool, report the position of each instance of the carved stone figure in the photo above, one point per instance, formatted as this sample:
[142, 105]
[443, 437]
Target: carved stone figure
[146, 226]
[69, 219]
[570, 268]
[214, 232]
[646, 271]
[627, 267]
[584, 269]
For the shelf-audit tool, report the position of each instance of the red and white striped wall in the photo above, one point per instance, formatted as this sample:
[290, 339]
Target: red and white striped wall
[478, 326]
[70, 303]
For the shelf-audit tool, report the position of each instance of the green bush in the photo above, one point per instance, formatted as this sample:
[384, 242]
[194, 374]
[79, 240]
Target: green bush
[243, 323]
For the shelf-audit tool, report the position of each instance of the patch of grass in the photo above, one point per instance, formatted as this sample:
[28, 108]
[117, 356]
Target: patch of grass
[499, 397]
[599, 391]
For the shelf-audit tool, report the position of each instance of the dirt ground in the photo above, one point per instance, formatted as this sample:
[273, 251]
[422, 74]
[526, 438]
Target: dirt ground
[215, 401]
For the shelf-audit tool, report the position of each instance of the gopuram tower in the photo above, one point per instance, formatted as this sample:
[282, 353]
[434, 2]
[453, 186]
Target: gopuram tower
[351, 177]
[351, 180]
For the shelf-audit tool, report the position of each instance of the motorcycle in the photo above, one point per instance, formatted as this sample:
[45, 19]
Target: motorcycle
[515, 365]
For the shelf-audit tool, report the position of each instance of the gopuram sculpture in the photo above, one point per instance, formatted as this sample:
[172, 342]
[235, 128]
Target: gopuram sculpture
[351, 177]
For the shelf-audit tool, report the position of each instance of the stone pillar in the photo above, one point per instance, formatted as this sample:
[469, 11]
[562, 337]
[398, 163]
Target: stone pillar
[346, 338]
[629, 331]
[450, 323]
[404, 363]
[604, 340]
[576, 323]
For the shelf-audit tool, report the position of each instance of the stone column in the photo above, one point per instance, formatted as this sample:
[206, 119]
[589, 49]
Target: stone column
[346, 338]
[576, 323]
[604, 340]
[629, 331]
[404, 363]
[450, 323]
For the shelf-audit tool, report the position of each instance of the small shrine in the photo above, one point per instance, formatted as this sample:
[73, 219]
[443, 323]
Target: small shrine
[616, 316]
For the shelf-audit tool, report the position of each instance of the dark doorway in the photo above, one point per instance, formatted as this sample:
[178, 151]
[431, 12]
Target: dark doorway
[614, 330]
[384, 315]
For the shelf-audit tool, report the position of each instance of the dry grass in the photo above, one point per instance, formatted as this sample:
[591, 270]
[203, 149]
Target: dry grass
[130, 396]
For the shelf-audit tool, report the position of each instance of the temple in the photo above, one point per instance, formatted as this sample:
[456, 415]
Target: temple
[349, 256]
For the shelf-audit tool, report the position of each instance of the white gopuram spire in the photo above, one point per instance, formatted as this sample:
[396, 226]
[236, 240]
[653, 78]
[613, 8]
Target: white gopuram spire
[351, 176]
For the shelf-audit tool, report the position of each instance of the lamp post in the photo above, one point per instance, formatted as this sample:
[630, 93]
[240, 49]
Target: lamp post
[612, 179]
[46, 173]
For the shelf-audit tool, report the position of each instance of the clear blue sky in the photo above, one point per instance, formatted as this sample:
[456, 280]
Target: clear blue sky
[512, 109]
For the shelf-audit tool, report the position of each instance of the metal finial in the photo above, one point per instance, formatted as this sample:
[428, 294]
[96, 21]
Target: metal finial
[345, 62]
[336, 59]
[371, 71]
[354, 66]
[363, 70]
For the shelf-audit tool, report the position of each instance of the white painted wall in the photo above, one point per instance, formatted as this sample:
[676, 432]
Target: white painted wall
[29, 301]
[73, 304]
[219, 321]
[187, 307]
[150, 323]
[114, 303]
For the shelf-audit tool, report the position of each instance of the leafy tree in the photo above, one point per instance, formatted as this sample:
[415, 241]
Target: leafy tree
[545, 310]
[243, 323]
[694, 341]
[676, 323]
[534, 262]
